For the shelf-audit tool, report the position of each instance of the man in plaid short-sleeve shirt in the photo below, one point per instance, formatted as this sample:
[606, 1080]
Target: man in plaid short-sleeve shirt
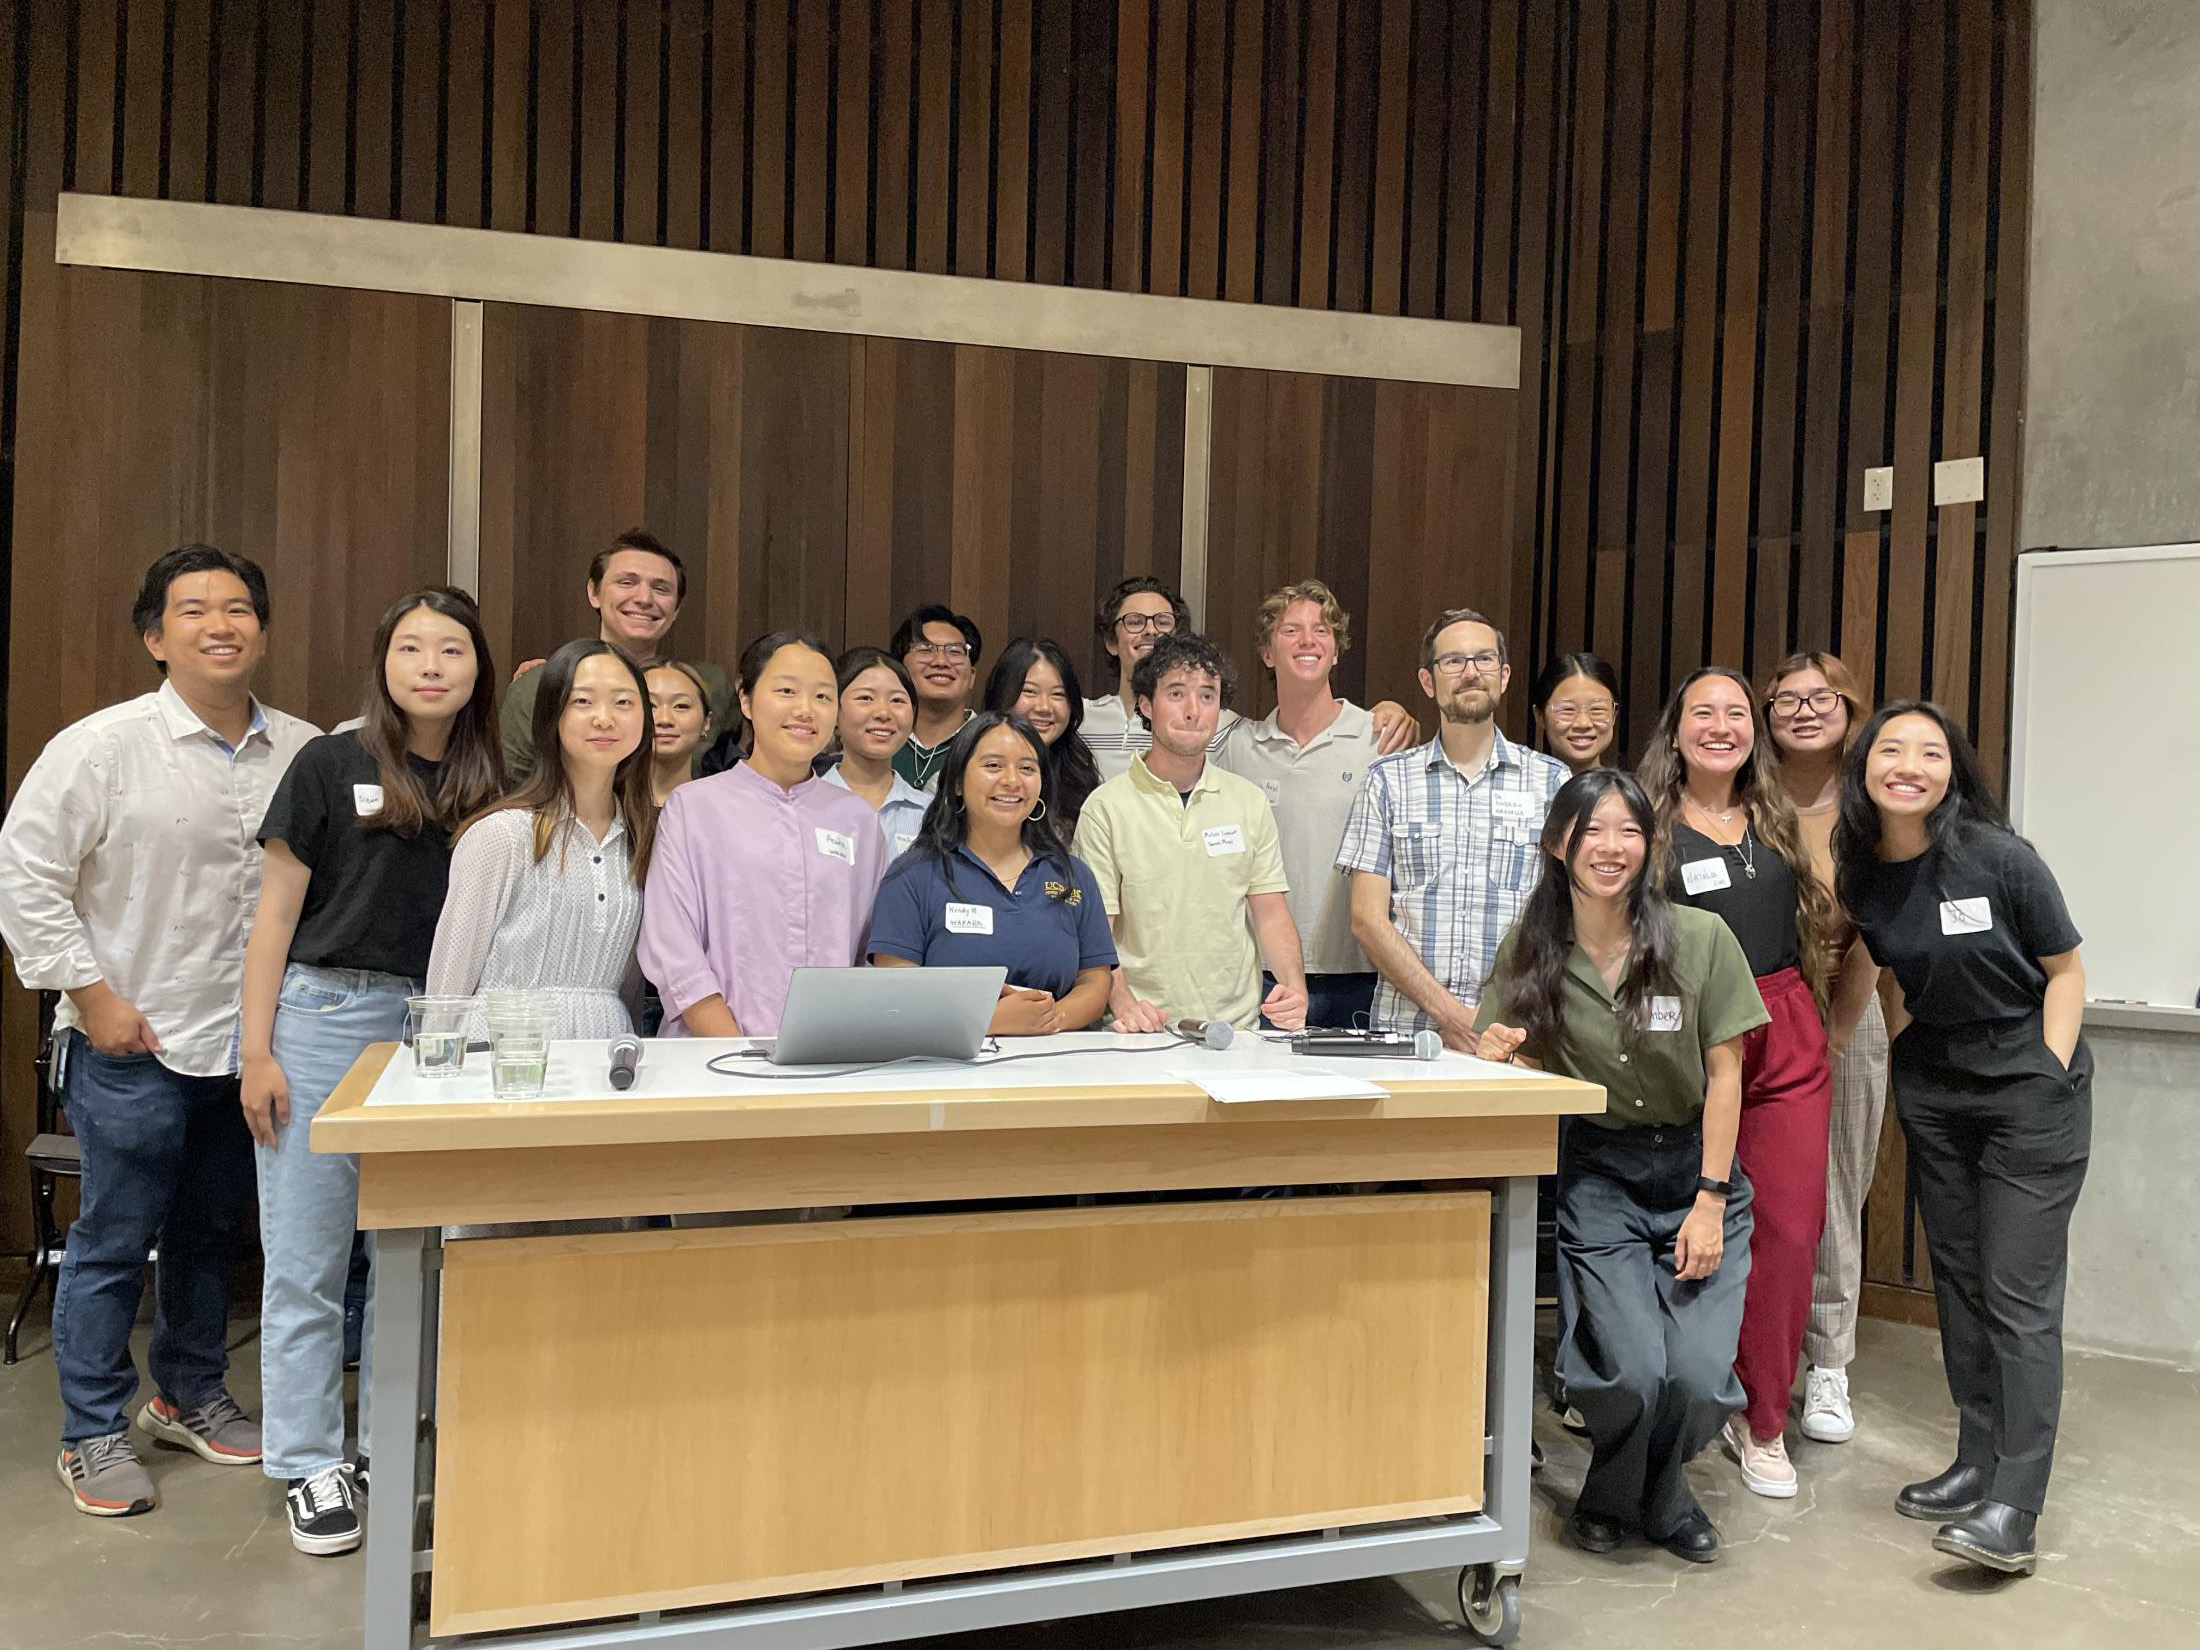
[1442, 840]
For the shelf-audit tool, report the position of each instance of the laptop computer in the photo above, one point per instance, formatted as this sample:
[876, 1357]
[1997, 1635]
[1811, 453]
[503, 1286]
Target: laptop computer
[858, 1016]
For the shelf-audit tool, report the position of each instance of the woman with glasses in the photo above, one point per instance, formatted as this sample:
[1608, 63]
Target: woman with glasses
[1993, 1084]
[1814, 708]
[1728, 843]
[1576, 704]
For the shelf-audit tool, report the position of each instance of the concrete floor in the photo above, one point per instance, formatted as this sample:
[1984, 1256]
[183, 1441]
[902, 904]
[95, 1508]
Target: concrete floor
[1833, 1568]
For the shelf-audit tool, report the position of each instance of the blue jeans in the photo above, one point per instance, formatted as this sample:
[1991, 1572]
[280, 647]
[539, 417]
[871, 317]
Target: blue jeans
[167, 1163]
[309, 1208]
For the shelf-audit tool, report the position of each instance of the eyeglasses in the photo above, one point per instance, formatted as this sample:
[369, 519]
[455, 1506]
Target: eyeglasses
[1563, 715]
[1457, 664]
[1137, 624]
[939, 650]
[1787, 706]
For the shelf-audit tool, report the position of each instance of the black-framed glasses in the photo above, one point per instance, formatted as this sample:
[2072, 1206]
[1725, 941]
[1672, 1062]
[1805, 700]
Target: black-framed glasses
[1788, 705]
[1137, 624]
[1485, 663]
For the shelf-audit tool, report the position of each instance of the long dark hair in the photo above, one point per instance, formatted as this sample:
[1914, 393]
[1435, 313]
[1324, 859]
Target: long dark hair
[946, 824]
[1970, 805]
[1564, 667]
[472, 771]
[1544, 936]
[548, 790]
[1770, 813]
[1076, 775]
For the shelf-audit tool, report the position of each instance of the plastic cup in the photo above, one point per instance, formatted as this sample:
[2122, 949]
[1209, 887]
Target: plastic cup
[519, 1043]
[436, 1028]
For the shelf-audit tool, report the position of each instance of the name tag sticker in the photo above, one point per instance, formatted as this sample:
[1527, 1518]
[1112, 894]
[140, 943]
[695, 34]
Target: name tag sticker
[1665, 1013]
[1700, 876]
[1512, 807]
[1966, 916]
[835, 845]
[902, 839]
[1273, 790]
[1223, 839]
[366, 799]
[969, 919]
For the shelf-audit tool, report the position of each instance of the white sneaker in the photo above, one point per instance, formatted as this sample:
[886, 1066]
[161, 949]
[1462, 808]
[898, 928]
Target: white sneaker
[1827, 1417]
[1766, 1468]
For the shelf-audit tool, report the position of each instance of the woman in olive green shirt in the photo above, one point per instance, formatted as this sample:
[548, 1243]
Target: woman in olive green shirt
[1608, 981]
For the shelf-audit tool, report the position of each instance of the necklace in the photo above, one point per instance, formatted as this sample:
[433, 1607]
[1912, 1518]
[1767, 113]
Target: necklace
[1748, 851]
[1726, 818]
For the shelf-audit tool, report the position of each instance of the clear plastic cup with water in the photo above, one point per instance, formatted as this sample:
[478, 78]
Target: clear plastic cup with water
[519, 1023]
[436, 1028]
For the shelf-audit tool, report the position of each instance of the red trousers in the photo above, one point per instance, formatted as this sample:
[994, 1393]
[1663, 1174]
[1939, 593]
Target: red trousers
[1787, 1113]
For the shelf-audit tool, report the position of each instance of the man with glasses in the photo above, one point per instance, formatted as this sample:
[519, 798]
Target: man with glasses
[939, 648]
[1134, 616]
[1442, 840]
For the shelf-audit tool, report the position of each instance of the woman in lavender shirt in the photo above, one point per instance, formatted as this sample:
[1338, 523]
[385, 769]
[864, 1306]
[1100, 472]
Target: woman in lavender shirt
[764, 868]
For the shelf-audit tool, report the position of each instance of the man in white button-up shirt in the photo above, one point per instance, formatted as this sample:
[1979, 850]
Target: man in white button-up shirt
[129, 871]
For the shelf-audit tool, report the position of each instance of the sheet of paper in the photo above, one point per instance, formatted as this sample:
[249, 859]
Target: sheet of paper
[1232, 1088]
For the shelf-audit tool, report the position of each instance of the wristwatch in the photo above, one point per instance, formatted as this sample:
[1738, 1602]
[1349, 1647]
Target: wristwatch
[1717, 1188]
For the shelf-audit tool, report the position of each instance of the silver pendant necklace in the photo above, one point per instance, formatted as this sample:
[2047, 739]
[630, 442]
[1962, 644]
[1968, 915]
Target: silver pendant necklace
[1748, 852]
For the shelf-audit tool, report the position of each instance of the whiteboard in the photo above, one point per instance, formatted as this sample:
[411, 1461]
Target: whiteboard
[2104, 759]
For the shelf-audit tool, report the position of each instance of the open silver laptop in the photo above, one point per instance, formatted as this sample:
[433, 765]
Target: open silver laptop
[854, 1016]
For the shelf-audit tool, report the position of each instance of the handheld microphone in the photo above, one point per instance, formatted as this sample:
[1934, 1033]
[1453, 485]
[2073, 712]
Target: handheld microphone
[1214, 1033]
[1422, 1045]
[626, 1054]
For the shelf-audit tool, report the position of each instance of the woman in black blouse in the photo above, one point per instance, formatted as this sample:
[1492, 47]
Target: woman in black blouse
[1728, 843]
[1993, 1087]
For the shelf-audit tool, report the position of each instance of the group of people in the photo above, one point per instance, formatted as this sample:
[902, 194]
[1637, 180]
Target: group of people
[233, 906]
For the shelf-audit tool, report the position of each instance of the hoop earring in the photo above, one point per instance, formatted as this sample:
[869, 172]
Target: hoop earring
[1040, 812]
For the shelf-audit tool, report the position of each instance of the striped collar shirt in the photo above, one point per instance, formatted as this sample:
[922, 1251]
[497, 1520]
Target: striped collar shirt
[1114, 734]
[1460, 852]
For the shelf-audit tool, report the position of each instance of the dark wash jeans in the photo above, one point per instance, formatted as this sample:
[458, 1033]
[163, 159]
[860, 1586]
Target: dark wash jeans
[167, 1163]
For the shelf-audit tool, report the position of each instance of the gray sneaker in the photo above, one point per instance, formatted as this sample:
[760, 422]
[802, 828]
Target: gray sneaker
[105, 1476]
[216, 1429]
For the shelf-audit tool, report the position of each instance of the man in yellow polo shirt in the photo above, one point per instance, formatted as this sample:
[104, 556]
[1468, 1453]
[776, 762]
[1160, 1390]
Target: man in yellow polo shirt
[1188, 863]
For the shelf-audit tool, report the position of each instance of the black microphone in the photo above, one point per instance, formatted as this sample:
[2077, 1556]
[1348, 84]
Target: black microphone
[626, 1054]
[1214, 1033]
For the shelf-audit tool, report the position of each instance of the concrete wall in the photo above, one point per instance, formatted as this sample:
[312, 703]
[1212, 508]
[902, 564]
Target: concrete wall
[2112, 457]
[2135, 1240]
[2112, 437]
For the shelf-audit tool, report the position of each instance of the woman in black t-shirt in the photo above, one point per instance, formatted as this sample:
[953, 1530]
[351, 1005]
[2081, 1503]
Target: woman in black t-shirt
[357, 844]
[1728, 843]
[1992, 1084]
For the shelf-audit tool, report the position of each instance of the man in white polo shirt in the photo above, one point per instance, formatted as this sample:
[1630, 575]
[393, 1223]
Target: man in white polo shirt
[1309, 757]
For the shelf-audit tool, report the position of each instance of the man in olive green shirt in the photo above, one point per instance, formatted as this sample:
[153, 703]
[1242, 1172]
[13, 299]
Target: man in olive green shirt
[637, 585]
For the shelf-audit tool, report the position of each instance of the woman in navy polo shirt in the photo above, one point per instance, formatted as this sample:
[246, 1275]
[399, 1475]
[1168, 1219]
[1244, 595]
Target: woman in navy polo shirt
[989, 882]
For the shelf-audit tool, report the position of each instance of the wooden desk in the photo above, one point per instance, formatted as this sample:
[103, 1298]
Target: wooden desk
[841, 1431]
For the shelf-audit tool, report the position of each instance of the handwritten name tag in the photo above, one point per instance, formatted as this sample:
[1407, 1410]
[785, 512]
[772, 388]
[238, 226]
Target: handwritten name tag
[1223, 839]
[969, 919]
[836, 845]
[1700, 876]
[1966, 916]
[366, 799]
[1512, 807]
[1665, 1013]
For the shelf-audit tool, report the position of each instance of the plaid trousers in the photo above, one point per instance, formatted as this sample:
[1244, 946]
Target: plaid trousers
[1859, 1102]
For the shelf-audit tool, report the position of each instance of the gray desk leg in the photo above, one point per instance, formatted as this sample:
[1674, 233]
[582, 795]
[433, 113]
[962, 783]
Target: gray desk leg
[1512, 1364]
[402, 1336]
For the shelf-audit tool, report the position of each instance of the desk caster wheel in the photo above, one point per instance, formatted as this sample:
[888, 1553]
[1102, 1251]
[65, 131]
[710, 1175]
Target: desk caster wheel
[1490, 1604]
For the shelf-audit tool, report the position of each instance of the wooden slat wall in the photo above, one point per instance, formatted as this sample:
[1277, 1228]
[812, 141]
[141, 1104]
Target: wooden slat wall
[1751, 248]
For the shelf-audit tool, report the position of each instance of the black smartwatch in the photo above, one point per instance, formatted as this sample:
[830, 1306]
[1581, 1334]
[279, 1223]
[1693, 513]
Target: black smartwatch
[1717, 1188]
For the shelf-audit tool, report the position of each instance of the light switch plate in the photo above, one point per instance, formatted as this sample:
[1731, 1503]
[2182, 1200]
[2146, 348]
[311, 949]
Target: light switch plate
[1959, 481]
[1879, 488]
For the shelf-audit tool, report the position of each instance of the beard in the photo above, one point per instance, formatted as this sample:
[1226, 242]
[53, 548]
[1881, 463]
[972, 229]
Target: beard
[1469, 706]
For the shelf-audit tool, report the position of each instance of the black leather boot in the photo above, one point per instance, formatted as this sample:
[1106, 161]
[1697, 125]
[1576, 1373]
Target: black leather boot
[1996, 1537]
[1956, 1493]
[1594, 1533]
[1695, 1538]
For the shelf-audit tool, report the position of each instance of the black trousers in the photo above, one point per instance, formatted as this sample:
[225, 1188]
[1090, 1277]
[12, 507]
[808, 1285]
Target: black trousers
[1998, 1137]
[1647, 1359]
